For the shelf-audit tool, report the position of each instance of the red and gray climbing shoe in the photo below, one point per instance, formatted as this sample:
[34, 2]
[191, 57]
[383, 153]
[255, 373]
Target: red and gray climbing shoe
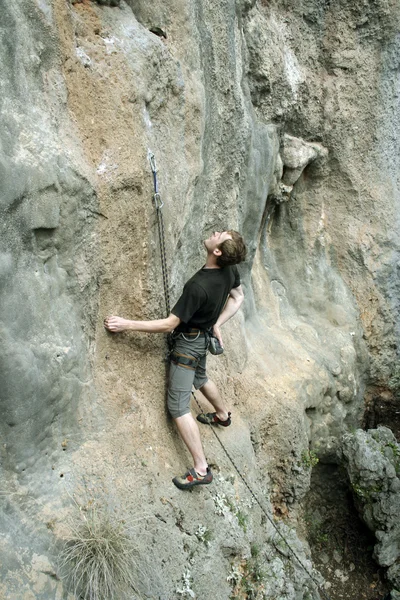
[212, 419]
[192, 478]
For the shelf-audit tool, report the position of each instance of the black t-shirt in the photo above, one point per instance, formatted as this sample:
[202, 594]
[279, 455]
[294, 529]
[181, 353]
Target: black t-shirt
[204, 296]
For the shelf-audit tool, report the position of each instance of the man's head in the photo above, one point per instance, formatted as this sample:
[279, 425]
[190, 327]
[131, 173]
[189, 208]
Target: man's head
[227, 246]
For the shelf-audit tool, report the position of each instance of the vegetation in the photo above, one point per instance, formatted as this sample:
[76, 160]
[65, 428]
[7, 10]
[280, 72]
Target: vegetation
[242, 518]
[317, 530]
[223, 504]
[395, 451]
[98, 558]
[394, 381]
[247, 578]
[186, 589]
[309, 459]
[203, 535]
[366, 494]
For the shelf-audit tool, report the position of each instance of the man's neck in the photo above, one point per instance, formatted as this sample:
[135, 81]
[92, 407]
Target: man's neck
[211, 262]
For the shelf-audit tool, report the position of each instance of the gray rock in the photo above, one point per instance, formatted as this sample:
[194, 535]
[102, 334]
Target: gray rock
[373, 465]
[394, 575]
[296, 155]
[277, 120]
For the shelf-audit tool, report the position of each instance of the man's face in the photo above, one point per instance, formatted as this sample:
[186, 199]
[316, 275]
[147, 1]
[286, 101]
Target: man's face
[216, 239]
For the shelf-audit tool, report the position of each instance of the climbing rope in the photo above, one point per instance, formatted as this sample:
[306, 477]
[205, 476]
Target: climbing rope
[158, 203]
[253, 495]
[161, 232]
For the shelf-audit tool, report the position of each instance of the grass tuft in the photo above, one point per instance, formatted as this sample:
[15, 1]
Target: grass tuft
[98, 558]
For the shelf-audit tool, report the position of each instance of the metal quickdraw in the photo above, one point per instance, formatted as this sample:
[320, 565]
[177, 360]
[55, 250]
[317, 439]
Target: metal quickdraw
[158, 203]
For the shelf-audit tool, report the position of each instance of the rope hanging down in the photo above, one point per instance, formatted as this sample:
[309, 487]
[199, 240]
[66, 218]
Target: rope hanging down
[161, 232]
[291, 551]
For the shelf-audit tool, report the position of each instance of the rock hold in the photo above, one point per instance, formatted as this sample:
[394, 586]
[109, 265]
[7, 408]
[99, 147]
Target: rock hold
[296, 155]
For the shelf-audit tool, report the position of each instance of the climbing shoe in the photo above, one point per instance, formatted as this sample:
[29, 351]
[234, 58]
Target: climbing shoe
[192, 478]
[212, 419]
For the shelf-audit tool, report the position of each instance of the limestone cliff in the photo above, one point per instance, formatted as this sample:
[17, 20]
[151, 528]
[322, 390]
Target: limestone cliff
[279, 119]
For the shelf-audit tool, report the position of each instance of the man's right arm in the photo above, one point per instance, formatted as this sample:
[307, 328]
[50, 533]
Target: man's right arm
[117, 325]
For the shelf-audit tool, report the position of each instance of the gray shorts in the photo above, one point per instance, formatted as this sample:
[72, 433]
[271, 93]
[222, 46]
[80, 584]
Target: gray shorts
[182, 378]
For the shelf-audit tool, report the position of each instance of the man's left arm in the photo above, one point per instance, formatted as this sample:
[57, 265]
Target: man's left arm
[232, 305]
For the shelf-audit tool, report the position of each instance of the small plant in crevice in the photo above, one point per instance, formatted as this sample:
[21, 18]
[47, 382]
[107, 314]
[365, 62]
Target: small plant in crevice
[242, 518]
[186, 590]
[395, 448]
[203, 535]
[234, 576]
[247, 577]
[366, 494]
[254, 550]
[309, 459]
[221, 504]
[98, 557]
[392, 451]
[394, 381]
[317, 530]
[224, 505]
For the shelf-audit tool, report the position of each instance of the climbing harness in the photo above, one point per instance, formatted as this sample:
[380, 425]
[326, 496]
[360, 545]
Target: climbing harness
[193, 339]
[189, 363]
[184, 360]
[212, 342]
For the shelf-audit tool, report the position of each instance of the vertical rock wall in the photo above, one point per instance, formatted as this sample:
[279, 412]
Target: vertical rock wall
[273, 118]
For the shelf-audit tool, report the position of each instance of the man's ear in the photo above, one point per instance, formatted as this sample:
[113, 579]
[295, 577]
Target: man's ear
[217, 251]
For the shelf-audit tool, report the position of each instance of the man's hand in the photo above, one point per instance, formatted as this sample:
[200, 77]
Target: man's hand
[217, 333]
[116, 324]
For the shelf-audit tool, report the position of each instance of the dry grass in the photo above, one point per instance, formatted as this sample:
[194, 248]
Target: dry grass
[98, 558]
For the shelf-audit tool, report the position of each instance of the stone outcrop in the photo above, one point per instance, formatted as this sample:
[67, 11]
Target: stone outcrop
[373, 465]
[278, 119]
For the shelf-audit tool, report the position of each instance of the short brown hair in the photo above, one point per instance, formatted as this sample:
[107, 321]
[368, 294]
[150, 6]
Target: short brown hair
[233, 251]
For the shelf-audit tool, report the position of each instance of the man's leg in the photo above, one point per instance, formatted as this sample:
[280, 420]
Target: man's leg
[210, 391]
[179, 394]
[190, 434]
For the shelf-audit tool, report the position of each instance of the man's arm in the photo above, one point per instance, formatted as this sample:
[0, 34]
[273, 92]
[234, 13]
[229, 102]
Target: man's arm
[117, 325]
[232, 305]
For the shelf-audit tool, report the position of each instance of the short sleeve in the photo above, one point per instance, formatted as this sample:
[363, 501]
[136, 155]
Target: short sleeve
[237, 277]
[192, 298]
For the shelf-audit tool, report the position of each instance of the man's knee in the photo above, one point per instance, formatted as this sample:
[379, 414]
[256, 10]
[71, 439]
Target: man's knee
[178, 402]
[200, 381]
[177, 411]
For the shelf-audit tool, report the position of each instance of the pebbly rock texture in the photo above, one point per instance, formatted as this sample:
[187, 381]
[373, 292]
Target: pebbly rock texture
[277, 119]
[373, 465]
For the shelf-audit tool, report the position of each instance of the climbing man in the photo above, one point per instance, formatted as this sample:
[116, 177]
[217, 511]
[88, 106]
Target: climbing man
[211, 297]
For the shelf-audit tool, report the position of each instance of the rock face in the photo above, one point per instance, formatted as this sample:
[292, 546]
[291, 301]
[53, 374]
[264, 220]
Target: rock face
[278, 119]
[373, 465]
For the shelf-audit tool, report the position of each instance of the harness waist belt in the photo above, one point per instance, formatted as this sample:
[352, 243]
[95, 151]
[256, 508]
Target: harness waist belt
[191, 331]
[184, 360]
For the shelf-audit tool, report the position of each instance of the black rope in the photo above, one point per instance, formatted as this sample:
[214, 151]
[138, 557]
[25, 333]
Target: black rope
[161, 233]
[263, 509]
